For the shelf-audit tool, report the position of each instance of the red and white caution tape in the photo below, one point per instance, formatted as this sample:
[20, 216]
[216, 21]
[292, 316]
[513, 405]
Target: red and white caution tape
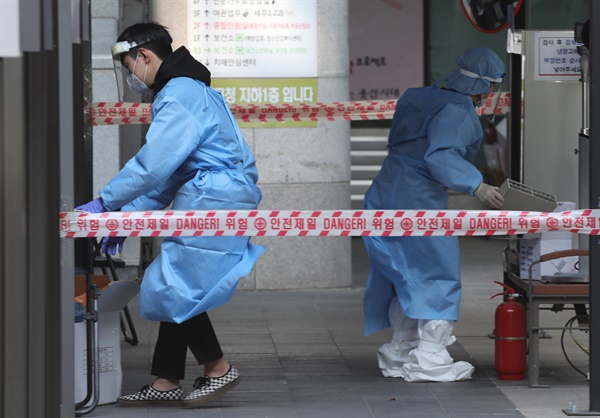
[325, 223]
[498, 103]
[120, 113]
[367, 110]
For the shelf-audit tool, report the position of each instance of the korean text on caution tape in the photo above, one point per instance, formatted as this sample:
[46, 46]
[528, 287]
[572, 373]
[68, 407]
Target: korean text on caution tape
[325, 223]
[121, 113]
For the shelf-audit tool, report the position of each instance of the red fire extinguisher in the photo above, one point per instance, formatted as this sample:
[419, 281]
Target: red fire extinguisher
[511, 337]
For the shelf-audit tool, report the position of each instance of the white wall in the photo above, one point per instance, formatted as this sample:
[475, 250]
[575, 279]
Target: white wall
[299, 168]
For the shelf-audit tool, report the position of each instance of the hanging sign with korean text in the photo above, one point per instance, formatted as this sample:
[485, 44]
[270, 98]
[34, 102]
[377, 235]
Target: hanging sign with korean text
[556, 56]
[254, 38]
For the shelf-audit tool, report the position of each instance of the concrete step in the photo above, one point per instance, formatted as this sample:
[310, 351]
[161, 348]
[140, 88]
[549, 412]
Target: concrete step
[367, 157]
[359, 186]
[370, 132]
[364, 172]
[368, 150]
[357, 201]
[368, 143]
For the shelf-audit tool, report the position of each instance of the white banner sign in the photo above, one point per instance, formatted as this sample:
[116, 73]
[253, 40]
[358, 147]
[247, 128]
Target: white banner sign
[556, 56]
[254, 38]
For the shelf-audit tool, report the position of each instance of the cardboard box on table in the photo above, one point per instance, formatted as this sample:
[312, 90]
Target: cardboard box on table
[531, 250]
[533, 246]
[113, 297]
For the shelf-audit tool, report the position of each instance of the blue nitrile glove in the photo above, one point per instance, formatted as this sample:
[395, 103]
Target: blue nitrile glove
[110, 244]
[95, 206]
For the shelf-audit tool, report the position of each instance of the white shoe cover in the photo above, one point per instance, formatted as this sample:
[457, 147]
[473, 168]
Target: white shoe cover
[392, 356]
[430, 361]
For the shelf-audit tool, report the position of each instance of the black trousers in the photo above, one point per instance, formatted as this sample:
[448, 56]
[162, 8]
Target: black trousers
[173, 341]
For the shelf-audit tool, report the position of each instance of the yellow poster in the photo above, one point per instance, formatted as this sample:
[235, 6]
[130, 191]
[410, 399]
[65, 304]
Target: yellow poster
[275, 91]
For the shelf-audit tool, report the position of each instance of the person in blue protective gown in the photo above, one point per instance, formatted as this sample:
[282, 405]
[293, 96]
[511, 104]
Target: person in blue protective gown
[414, 282]
[194, 158]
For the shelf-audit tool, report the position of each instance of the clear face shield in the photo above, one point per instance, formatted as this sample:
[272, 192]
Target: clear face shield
[121, 71]
[497, 84]
[496, 88]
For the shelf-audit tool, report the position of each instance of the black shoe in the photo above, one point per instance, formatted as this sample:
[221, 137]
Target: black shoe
[208, 388]
[148, 396]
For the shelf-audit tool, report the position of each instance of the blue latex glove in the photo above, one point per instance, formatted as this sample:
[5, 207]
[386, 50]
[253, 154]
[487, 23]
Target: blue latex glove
[110, 244]
[95, 206]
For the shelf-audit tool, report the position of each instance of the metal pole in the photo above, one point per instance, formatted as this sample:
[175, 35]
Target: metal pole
[594, 202]
[515, 65]
[67, 270]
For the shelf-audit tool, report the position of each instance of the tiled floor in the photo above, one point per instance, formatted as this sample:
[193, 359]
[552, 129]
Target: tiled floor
[303, 354]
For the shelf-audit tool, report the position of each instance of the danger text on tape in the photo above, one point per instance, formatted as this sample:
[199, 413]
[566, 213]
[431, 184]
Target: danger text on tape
[120, 113]
[325, 223]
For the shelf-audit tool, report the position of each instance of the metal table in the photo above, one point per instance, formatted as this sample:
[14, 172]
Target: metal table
[539, 293]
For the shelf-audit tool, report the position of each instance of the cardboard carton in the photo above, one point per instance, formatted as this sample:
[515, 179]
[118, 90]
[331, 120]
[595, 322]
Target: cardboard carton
[532, 249]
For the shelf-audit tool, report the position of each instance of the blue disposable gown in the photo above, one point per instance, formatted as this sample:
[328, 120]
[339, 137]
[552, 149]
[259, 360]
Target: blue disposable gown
[195, 158]
[434, 135]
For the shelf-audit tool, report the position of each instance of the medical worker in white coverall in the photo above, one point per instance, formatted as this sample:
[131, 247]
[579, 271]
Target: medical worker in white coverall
[414, 282]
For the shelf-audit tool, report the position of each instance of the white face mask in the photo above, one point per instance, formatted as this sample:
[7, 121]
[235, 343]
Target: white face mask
[135, 84]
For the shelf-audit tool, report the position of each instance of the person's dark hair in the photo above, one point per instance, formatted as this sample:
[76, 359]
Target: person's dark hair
[150, 35]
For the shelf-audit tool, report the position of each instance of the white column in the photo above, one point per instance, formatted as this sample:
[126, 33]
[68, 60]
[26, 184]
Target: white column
[299, 168]
[106, 18]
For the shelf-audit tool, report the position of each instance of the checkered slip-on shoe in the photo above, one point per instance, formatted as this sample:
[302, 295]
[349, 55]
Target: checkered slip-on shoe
[208, 388]
[148, 396]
